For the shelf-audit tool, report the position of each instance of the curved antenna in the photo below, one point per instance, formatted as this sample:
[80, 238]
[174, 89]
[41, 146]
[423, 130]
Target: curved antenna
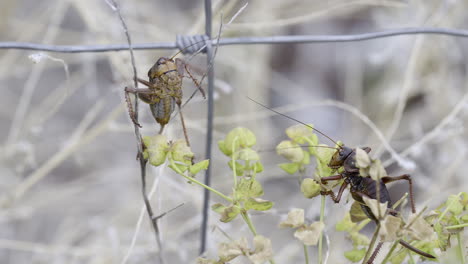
[292, 118]
[193, 44]
[317, 146]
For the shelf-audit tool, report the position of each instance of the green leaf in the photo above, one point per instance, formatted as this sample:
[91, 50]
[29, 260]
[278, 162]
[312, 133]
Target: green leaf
[229, 213]
[246, 154]
[362, 158]
[378, 209]
[233, 249]
[376, 170]
[222, 146]
[295, 219]
[399, 257]
[454, 205]
[309, 235]
[290, 151]
[355, 255]
[464, 218]
[310, 188]
[290, 168]
[345, 224]
[263, 250]
[258, 204]
[420, 229]
[389, 228]
[359, 239]
[443, 237]
[248, 188]
[197, 167]
[239, 168]
[218, 208]
[258, 167]
[356, 213]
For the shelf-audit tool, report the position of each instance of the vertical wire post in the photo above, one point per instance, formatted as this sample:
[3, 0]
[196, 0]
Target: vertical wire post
[209, 125]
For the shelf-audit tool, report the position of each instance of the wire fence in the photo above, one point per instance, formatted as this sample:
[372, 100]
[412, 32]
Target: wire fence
[182, 41]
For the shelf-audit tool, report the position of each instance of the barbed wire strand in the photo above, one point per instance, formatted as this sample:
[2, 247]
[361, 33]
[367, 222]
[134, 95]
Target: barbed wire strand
[239, 41]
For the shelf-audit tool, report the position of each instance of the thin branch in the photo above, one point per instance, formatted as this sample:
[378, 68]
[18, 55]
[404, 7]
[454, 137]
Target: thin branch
[239, 40]
[115, 7]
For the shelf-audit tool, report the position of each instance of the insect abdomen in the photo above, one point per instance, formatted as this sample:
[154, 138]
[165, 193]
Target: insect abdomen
[163, 109]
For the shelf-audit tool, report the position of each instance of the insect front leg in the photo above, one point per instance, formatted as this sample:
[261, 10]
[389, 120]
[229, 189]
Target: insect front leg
[343, 186]
[131, 112]
[388, 179]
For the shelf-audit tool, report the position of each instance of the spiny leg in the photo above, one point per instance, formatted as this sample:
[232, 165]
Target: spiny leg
[343, 186]
[374, 254]
[131, 112]
[183, 126]
[195, 82]
[388, 179]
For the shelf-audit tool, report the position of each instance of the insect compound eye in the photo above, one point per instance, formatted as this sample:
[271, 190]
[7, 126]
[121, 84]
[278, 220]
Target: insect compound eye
[161, 61]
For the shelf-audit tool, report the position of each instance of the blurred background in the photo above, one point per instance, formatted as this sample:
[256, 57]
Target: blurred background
[69, 181]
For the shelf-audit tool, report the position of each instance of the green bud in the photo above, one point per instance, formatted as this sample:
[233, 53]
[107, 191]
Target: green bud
[156, 149]
[181, 152]
[246, 154]
[310, 188]
[298, 133]
[291, 151]
[355, 255]
[239, 137]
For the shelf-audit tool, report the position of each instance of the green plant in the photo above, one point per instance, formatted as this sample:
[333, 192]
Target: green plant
[429, 232]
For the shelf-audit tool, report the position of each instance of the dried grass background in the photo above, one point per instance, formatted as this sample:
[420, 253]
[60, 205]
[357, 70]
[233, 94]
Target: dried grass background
[69, 182]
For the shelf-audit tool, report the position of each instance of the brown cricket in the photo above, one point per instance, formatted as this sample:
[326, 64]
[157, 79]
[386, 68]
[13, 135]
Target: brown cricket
[164, 91]
[360, 186]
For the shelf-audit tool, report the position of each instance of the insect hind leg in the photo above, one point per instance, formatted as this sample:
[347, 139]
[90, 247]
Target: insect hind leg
[388, 179]
[195, 81]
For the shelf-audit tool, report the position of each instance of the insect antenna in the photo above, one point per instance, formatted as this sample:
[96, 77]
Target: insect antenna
[294, 119]
[315, 146]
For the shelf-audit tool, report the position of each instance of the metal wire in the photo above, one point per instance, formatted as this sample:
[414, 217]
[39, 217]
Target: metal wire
[209, 126]
[191, 44]
[239, 41]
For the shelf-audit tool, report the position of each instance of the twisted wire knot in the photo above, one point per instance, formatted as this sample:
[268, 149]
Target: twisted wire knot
[191, 44]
